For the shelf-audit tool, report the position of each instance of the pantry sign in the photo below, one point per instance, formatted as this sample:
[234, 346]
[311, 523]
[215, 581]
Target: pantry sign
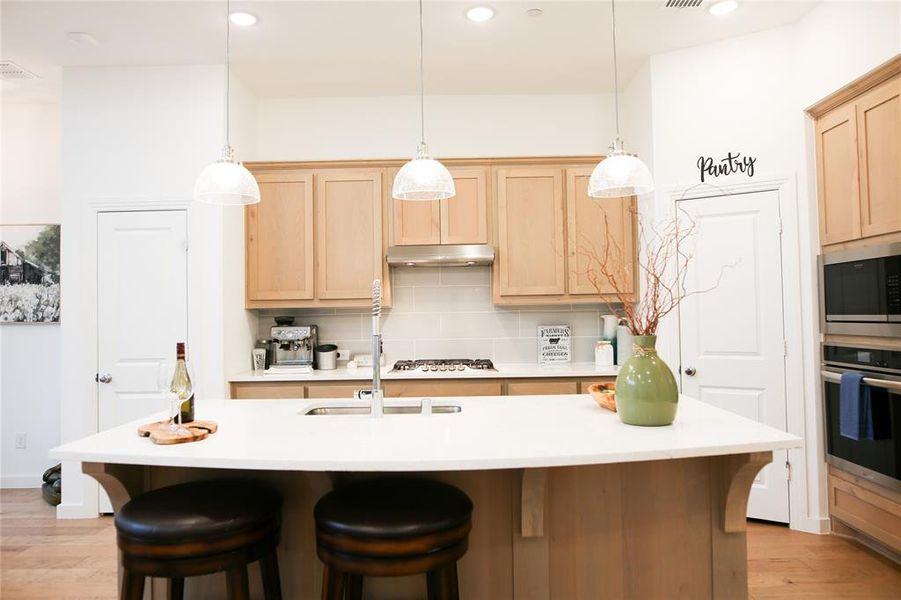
[730, 164]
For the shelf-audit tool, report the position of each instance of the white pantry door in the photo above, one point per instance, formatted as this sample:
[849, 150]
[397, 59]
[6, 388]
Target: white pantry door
[142, 310]
[732, 337]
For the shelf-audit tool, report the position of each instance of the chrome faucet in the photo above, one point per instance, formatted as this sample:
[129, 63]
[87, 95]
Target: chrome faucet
[375, 394]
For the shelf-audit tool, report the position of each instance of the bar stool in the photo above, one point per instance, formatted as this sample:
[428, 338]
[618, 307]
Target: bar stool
[388, 528]
[199, 528]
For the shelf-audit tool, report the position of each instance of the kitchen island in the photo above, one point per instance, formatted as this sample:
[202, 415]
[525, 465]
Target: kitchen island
[569, 502]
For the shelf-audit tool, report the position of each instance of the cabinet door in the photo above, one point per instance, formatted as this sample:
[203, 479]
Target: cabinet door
[879, 151]
[279, 233]
[464, 218]
[348, 233]
[267, 391]
[530, 232]
[532, 388]
[837, 176]
[589, 236]
[441, 388]
[416, 222]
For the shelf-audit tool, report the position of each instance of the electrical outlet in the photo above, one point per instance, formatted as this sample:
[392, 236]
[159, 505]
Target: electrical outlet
[343, 353]
[21, 441]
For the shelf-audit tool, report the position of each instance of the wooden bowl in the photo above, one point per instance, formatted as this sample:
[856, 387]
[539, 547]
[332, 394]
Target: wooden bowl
[604, 394]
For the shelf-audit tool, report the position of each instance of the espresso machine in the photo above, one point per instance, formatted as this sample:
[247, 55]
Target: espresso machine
[291, 346]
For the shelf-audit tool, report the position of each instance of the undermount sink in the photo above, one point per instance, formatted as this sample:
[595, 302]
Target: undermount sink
[389, 409]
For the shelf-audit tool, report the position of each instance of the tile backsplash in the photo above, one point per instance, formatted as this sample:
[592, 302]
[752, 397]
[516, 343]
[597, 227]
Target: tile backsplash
[446, 312]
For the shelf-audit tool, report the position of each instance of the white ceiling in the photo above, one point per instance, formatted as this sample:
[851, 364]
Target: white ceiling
[337, 48]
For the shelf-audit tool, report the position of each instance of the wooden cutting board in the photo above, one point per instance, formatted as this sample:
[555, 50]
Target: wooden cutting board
[160, 433]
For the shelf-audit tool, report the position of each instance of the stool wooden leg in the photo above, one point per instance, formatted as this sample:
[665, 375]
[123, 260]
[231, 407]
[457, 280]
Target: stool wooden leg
[442, 583]
[237, 587]
[354, 588]
[333, 582]
[272, 585]
[176, 588]
[132, 586]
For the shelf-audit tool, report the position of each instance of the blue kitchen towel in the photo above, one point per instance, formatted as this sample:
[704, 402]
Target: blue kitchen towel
[855, 408]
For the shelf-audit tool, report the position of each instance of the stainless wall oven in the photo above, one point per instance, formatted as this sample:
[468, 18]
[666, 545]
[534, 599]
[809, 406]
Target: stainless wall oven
[878, 459]
[860, 291]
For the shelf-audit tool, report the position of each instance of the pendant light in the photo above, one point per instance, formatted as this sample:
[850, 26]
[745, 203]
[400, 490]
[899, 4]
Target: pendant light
[226, 182]
[619, 174]
[423, 178]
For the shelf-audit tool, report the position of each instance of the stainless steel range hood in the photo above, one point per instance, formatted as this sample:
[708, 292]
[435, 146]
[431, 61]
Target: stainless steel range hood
[458, 255]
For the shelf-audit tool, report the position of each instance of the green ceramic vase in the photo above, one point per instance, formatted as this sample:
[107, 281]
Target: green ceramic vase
[646, 392]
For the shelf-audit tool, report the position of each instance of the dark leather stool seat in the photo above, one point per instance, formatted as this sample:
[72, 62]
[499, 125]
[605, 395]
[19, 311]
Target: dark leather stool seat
[199, 528]
[392, 527]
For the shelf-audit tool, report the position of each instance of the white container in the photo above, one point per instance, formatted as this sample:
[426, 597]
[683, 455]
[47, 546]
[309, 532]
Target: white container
[608, 329]
[603, 353]
[623, 344]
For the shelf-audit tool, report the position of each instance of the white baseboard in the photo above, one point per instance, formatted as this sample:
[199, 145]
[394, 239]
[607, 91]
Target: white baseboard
[817, 525]
[75, 511]
[21, 481]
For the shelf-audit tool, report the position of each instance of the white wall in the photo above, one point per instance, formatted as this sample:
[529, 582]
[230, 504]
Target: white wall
[29, 353]
[747, 94]
[456, 126]
[136, 137]
[239, 325]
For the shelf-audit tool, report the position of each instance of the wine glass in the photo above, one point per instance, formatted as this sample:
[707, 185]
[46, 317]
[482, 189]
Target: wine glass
[164, 385]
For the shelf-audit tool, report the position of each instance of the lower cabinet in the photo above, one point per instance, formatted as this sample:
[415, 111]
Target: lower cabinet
[426, 389]
[268, 390]
[865, 508]
[417, 388]
[529, 388]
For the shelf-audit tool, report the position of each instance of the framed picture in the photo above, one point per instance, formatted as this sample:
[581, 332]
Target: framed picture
[554, 344]
[29, 273]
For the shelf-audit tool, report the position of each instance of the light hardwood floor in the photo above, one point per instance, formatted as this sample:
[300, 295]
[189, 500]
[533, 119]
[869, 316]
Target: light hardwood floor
[41, 557]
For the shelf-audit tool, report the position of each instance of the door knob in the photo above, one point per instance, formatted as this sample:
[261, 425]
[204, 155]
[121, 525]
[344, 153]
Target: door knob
[104, 378]
[690, 371]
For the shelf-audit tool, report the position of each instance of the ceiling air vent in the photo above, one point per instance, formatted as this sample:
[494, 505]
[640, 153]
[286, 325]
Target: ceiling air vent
[11, 71]
[682, 3]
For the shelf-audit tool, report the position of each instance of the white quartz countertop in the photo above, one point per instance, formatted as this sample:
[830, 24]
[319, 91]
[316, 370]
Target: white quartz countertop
[493, 432]
[502, 371]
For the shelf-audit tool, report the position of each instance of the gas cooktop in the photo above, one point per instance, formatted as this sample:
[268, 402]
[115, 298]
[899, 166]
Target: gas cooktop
[444, 364]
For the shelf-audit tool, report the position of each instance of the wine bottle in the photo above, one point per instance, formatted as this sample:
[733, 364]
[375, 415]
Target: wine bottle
[181, 384]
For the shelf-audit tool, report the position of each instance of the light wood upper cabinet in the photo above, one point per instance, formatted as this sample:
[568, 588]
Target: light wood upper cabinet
[858, 159]
[279, 238]
[349, 233]
[879, 155]
[462, 219]
[837, 175]
[587, 234]
[416, 222]
[531, 231]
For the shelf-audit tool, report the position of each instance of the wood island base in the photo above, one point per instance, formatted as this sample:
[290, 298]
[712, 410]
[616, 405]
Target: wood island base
[655, 529]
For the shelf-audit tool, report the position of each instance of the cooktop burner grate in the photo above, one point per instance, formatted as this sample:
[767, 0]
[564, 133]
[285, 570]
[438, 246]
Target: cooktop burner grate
[444, 364]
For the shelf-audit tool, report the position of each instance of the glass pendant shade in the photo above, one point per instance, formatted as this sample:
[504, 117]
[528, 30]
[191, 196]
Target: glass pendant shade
[620, 174]
[226, 183]
[423, 178]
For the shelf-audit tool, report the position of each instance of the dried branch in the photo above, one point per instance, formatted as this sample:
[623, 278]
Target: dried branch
[663, 269]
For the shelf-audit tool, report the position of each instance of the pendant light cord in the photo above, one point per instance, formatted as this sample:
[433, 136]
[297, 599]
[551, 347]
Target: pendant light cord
[421, 82]
[227, 70]
[615, 72]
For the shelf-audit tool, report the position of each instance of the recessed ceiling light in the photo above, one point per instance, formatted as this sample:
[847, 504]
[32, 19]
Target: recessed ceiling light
[242, 18]
[722, 8]
[479, 14]
[80, 38]
[534, 12]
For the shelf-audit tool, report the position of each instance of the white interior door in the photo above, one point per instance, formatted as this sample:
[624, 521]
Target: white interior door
[142, 310]
[732, 337]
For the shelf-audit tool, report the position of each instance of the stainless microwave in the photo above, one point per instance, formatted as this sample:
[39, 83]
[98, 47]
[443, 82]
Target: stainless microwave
[860, 291]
